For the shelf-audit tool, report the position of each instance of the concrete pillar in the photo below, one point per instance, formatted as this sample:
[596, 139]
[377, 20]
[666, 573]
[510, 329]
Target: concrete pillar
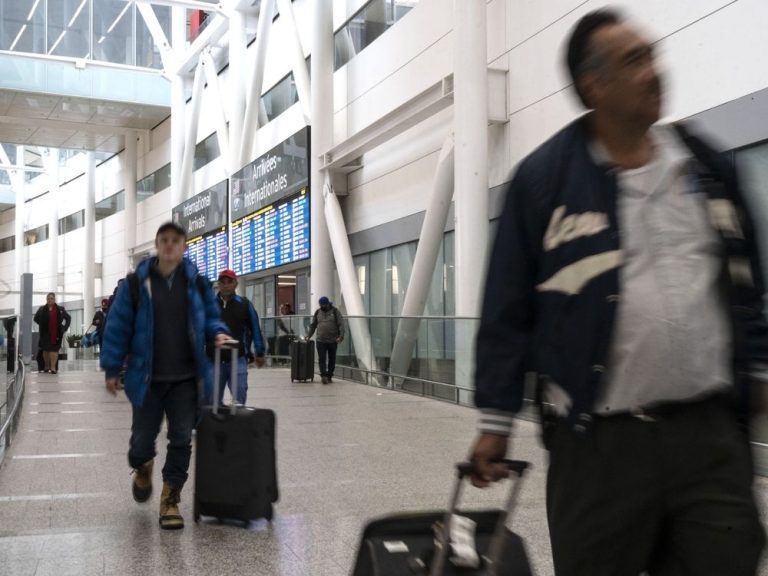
[178, 105]
[89, 266]
[52, 170]
[321, 270]
[20, 218]
[129, 184]
[471, 173]
[236, 80]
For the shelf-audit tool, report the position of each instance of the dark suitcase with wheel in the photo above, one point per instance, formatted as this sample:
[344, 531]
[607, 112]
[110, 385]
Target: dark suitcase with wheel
[408, 544]
[235, 460]
[302, 360]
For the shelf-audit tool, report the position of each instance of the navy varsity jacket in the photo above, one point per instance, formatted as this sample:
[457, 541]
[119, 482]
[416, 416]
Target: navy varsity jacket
[553, 279]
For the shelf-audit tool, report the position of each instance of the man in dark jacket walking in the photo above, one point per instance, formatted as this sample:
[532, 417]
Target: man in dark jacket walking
[160, 319]
[329, 324]
[625, 273]
[243, 322]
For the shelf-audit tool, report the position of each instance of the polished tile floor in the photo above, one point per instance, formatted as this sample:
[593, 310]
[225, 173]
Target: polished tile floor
[346, 453]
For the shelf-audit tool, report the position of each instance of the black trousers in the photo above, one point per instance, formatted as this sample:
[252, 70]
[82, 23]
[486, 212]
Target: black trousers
[670, 495]
[326, 357]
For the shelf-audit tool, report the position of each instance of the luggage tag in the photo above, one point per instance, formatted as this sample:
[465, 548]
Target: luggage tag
[462, 542]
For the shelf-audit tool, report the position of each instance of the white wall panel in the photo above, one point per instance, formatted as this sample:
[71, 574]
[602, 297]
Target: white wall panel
[535, 67]
[497, 29]
[392, 196]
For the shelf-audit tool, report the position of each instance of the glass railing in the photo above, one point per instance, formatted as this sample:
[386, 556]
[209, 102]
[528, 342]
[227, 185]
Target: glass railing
[430, 356]
[13, 383]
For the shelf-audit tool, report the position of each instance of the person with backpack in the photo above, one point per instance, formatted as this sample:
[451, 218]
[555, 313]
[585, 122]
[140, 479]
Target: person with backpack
[329, 324]
[99, 320]
[243, 322]
[160, 320]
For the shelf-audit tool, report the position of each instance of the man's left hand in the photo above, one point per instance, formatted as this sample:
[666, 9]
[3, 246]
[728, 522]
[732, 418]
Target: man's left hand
[339, 339]
[221, 340]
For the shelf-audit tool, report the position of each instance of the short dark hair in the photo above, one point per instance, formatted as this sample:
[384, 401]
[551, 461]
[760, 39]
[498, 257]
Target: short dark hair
[173, 227]
[578, 56]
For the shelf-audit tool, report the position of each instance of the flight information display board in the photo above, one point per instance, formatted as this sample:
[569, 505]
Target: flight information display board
[209, 253]
[274, 235]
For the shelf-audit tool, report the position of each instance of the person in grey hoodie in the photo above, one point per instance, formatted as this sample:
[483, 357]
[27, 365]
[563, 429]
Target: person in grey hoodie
[329, 324]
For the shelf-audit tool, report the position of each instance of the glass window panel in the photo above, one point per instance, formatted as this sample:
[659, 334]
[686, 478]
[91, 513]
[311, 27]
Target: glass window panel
[72, 222]
[206, 151]
[154, 183]
[449, 278]
[69, 28]
[280, 97]
[36, 235]
[147, 54]
[113, 31]
[367, 25]
[22, 25]
[8, 244]
[110, 205]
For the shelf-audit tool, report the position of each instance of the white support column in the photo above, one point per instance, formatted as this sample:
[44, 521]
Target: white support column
[236, 74]
[190, 140]
[430, 240]
[471, 170]
[130, 161]
[222, 130]
[321, 267]
[51, 162]
[300, 73]
[17, 180]
[178, 106]
[253, 105]
[89, 266]
[350, 289]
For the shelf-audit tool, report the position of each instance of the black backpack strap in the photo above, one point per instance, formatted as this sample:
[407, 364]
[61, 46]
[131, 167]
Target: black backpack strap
[133, 287]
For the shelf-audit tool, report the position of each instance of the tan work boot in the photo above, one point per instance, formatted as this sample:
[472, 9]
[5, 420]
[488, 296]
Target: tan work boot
[170, 519]
[142, 482]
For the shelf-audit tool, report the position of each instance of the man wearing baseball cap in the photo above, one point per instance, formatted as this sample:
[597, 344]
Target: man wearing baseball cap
[243, 322]
[329, 324]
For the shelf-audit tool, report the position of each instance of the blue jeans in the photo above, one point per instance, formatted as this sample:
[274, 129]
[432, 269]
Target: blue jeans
[178, 401]
[326, 353]
[242, 380]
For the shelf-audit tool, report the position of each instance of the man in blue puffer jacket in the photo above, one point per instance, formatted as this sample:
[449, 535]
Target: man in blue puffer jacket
[159, 323]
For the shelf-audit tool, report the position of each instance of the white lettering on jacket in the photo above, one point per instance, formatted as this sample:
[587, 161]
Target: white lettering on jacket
[573, 226]
[572, 278]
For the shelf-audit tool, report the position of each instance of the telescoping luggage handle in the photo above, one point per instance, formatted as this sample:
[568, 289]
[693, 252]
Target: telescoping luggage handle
[496, 547]
[233, 346]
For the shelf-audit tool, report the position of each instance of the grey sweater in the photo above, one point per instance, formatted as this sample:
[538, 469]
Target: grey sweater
[329, 325]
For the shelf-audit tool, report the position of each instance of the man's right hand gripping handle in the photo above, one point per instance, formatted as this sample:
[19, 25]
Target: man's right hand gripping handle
[489, 448]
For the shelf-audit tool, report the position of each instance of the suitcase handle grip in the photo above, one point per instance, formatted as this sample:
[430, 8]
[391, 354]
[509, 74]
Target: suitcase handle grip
[232, 345]
[519, 467]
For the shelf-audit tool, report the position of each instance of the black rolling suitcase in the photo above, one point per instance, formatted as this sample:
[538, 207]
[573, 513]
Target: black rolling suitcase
[407, 544]
[302, 360]
[235, 461]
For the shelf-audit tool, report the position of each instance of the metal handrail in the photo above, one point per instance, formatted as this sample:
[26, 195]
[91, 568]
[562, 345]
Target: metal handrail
[17, 397]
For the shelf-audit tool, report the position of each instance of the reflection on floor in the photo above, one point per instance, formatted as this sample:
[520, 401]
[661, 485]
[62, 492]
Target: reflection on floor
[346, 453]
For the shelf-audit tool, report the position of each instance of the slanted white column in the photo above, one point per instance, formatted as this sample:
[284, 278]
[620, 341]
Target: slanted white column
[430, 240]
[321, 270]
[89, 265]
[236, 74]
[51, 161]
[300, 73]
[350, 289]
[190, 140]
[130, 161]
[253, 105]
[214, 87]
[178, 106]
[471, 172]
